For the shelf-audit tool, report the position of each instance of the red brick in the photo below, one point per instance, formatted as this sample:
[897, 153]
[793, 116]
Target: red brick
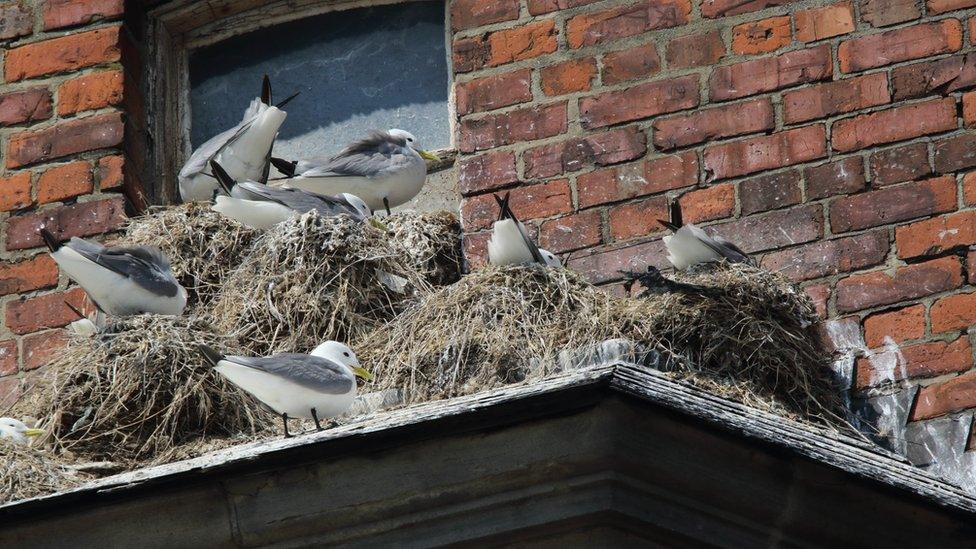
[761, 36]
[708, 124]
[955, 153]
[935, 235]
[580, 230]
[525, 124]
[524, 42]
[886, 48]
[766, 152]
[770, 192]
[894, 326]
[825, 22]
[65, 138]
[706, 204]
[969, 189]
[829, 257]
[695, 50]
[40, 349]
[531, 202]
[538, 7]
[640, 101]
[493, 92]
[723, 8]
[955, 312]
[84, 219]
[638, 218]
[900, 164]
[25, 106]
[604, 265]
[971, 266]
[895, 124]
[16, 20]
[66, 13]
[881, 13]
[466, 14]
[26, 316]
[575, 75]
[631, 181]
[939, 399]
[89, 92]
[832, 98]
[937, 77]
[893, 204]
[637, 62]
[770, 73]
[476, 249]
[597, 27]
[67, 53]
[969, 109]
[110, 172]
[971, 24]
[777, 229]
[487, 172]
[942, 6]
[11, 390]
[15, 191]
[469, 54]
[819, 294]
[604, 148]
[65, 181]
[863, 291]
[841, 177]
[8, 358]
[922, 360]
[30, 274]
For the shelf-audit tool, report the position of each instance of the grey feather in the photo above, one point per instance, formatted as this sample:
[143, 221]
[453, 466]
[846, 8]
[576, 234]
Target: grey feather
[297, 199]
[144, 265]
[312, 372]
[201, 157]
[376, 155]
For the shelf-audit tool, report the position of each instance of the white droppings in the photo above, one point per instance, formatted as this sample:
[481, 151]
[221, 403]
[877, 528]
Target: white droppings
[888, 364]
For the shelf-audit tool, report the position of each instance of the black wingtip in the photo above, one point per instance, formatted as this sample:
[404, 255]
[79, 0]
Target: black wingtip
[224, 179]
[50, 240]
[504, 211]
[266, 90]
[675, 213]
[668, 225]
[286, 167]
[287, 100]
[211, 355]
[75, 310]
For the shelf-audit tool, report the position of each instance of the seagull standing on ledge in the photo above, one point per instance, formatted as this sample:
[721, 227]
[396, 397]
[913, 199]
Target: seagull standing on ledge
[690, 245]
[243, 150]
[121, 281]
[386, 169]
[315, 386]
[16, 431]
[510, 243]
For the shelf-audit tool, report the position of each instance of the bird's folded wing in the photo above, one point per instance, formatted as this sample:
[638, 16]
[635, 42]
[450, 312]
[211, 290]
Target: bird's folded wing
[143, 266]
[202, 156]
[298, 200]
[312, 372]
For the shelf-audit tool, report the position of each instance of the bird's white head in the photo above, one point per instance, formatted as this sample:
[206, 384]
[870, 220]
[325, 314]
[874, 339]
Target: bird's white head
[412, 143]
[16, 430]
[341, 353]
[550, 258]
[358, 203]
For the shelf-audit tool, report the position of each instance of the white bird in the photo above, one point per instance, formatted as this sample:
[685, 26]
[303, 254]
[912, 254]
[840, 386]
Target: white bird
[120, 281]
[510, 243]
[16, 431]
[386, 169]
[690, 245]
[259, 206]
[314, 386]
[244, 150]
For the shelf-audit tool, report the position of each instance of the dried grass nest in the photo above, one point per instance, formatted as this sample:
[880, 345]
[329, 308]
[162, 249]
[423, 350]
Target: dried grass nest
[430, 242]
[27, 471]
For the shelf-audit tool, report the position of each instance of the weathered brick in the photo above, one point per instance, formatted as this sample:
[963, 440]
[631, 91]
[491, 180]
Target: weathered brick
[15, 191]
[525, 124]
[955, 153]
[493, 92]
[67, 13]
[899, 45]
[881, 13]
[30, 274]
[969, 189]
[942, 6]
[575, 75]
[476, 249]
[766, 152]
[954, 312]
[937, 77]
[25, 316]
[723, 8]
[825, 22]
[935, 235]
[8, 358]
[65, 181]
[631, 181]
[62, 139]
[921, 360]
[893, 204]
[863, 291]
[894, 326]
[24, 106]
[604, 265]
[487, 172]
[524, 42]
[706, 204]
[84, 219]
[111, 172]
[597, 27]
[971, 266]
[841, 177]
[900, 164]
[770, 73]
[895, 124]
[640, 101]
[761, 36]
[469, 54]
[530, 202]
[89, 92]
[829, 257]
[819, 294]
[602, 149]
[695, 50]
[41, 348]
[638, 218]
[67, 53]
[16, 20]
[467, 14]
[572, 232]
[777, 229]
[969, 109]
[951, 396]
[638, 62]
[538, 7]
[838, 97]
[708, 124]
[770, 192]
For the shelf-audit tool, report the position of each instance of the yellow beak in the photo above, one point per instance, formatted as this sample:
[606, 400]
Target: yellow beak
[34, 432]
[379, 224]
[428, 156]
[363, 373]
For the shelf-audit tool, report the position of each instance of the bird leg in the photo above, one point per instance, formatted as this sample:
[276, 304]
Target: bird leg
[315, 417]
[284, 421]
[386, 203]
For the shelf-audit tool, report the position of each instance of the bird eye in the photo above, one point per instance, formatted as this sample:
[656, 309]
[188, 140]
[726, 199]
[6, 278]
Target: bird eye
[410, 140]
[345, 353]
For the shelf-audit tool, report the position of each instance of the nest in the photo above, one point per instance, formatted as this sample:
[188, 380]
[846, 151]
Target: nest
[430, 242]
[202, 245]
[139, 389]
[27, 471]
[314, 278]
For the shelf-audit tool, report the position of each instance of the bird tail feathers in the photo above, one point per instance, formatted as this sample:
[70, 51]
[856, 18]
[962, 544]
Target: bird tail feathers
[286, 167]
[211, 355]
[52, 241]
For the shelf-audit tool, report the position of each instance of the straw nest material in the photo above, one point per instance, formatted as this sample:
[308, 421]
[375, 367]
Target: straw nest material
[27, 471]
[430, 242]
[140, 388]
[314, 278]
[202, 245]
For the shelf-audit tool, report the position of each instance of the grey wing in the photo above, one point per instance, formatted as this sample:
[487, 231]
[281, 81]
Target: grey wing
[728, 250]
[143, 265]
[298, 200]
[382, 158]
[312, 372]
[533, 249]
[200, 159]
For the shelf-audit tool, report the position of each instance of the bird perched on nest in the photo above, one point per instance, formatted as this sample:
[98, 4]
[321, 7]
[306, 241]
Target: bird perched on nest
[690, 245]
[386, 169]
[243, 150]
[314, 386]
[259, 206]
[655, 283]
[510, 243]
[120, 281]
[15, 430]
